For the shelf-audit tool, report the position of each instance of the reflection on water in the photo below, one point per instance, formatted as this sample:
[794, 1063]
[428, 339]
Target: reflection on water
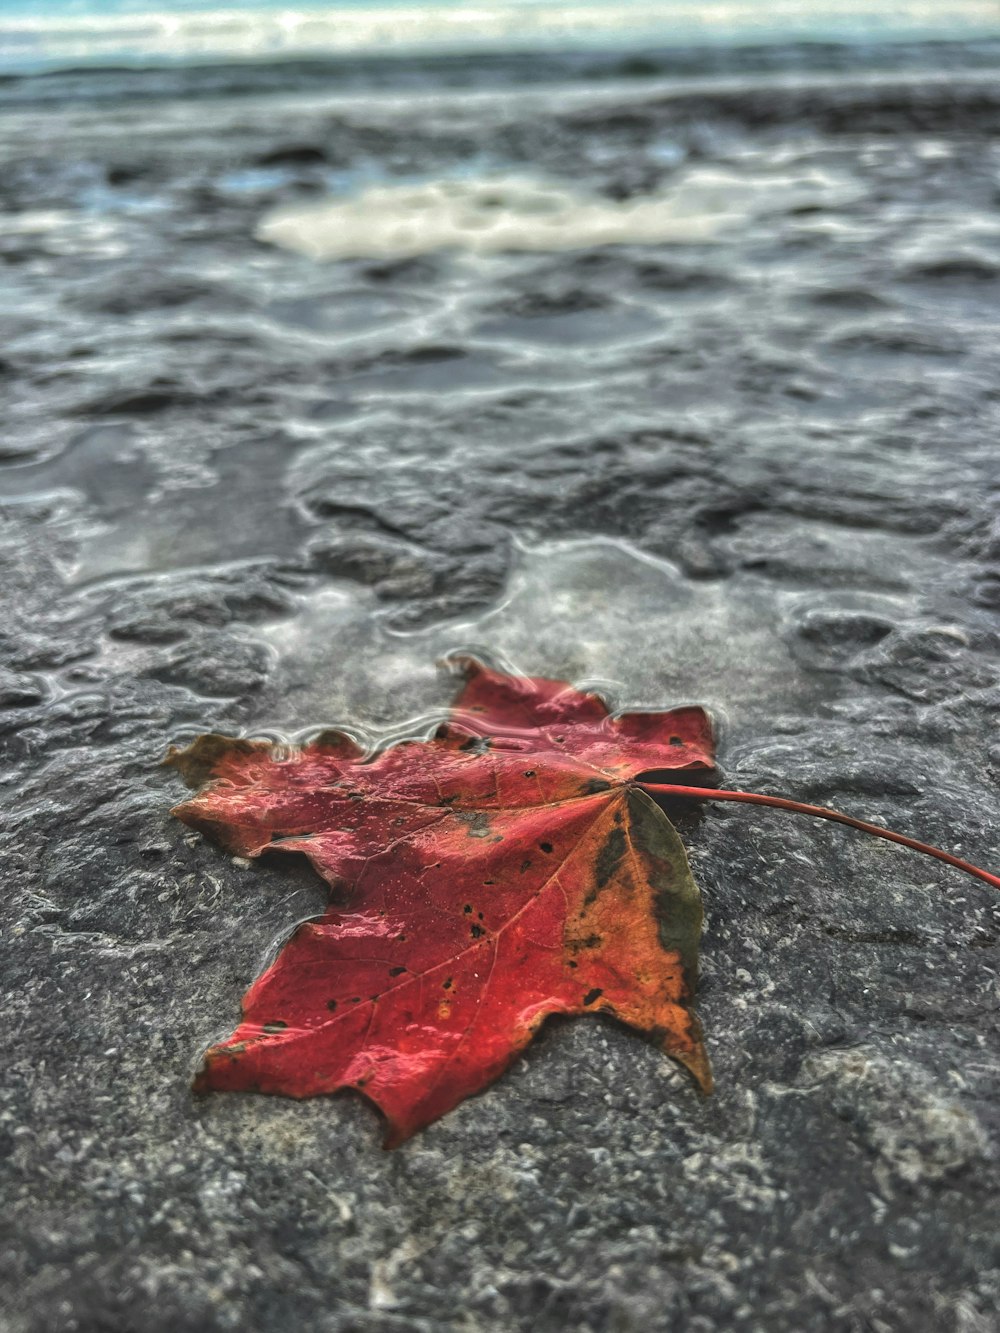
[598, 612]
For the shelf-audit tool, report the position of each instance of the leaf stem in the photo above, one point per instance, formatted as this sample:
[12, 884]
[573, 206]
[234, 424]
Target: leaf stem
[820, 812]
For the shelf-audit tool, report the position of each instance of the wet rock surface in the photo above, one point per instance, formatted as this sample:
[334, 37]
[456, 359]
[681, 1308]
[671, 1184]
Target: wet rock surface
[245, 492]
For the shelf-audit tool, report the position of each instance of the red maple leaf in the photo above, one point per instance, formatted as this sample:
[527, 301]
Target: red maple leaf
[512, 867]
[508, 869]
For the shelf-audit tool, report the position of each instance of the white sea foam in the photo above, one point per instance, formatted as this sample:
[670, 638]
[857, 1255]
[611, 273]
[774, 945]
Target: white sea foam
[493, 214]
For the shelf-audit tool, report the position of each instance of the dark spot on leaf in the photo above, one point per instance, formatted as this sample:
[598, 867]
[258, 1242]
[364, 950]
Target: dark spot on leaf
[448, 984]
[478, 822]
[355, 999]
[609, 858]
[589, 942]
[489, 881]
[529, 773]
[595, 785]
[676, 740]
[396, 971]
[524, 866]
[593, 995]
[545, 846]
[331, 1005]
[401, 939]
[572, 963]
[476, 932]
[467, 908]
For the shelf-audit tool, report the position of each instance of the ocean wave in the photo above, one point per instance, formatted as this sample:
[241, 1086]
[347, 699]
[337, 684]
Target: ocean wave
[100, 37]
